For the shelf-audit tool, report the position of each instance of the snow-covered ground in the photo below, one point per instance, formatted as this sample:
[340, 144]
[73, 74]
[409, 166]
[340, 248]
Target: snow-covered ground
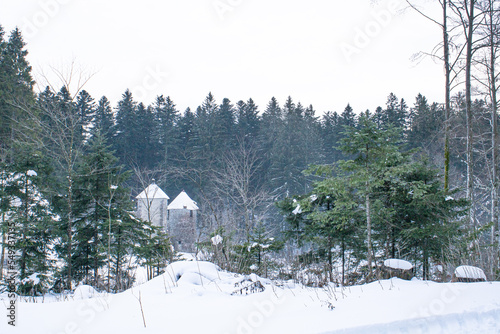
[196, 297]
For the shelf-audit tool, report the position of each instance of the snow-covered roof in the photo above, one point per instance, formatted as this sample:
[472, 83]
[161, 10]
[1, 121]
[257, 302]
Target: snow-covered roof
[182, 201]
[470, 272]
[152, 192]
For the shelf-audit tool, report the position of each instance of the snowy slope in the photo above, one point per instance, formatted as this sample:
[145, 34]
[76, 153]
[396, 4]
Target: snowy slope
[196, 297]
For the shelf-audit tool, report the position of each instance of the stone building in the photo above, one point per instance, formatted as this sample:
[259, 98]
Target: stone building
[178, 218]
[181, 222]
[152, 205]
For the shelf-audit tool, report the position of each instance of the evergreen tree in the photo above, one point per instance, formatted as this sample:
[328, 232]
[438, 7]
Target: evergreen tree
[331, 133]
[425, 218]
[107, 232]
[271, 127]
[166, 132]
[85, 107]
[426, 126]
[225, 125]
[145, 148]
[126, 128]
[154, 251]
[289, 152]
[34, 222]
[329, 217]
[348, 118]
[372, 150]
[104, 119]
[60, 129]
[16, 84]
[127, 234]
[186, 128]
[94, 195]
[395, 113]
[248, 122]
[286, 160]
[204, 133]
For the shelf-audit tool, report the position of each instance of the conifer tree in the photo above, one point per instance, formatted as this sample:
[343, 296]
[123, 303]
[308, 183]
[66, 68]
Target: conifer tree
[60, 129]
[225, 125]
[33, 219]
[144, 147]
[104, 119]
[166, 131]
[16, 85]
[126, 128]
[204, 130]
[248, 122]
[97, 173]
[371, 149]
[268, 135]
[85, 107]
[186, 128]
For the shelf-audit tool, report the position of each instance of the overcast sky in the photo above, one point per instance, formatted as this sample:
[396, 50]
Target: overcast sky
[322, 52]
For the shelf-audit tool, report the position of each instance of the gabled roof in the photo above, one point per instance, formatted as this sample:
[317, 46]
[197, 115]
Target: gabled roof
[152, 192]
[182, 201]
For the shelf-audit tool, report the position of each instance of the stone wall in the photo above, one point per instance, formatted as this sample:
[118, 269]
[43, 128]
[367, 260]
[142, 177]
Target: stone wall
[157, 209]
[181, 226]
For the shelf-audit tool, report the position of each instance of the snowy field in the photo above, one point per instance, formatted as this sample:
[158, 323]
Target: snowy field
[196, 297]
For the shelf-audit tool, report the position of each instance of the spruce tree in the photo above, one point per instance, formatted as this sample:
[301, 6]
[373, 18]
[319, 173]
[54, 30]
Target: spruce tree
[248, 122]
[371, 149]
[225, 125]
[143, 145]
[166, 130]
[16, 85]
[186, 128]
[270, 130]
[104, 119]
[126, 124]
[85, 107]
[33, 219]
[96, 176]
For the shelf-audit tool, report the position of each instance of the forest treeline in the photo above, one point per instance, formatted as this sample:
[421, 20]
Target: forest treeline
[328, 189]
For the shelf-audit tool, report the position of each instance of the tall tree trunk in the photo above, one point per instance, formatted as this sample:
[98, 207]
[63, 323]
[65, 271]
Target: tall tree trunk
[4, 239]
[69, 246]
[447, 90]
[343, 261]
[368, 231]
[468, 112]
[330, 259]
[494, 134]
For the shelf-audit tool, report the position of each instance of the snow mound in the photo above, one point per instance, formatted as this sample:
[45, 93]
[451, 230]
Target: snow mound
[470, 272]
[85, 292]
[235, 303]
[192, 272]
[398, 264]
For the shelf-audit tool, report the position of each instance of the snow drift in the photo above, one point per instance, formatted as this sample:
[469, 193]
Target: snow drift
[197, 297]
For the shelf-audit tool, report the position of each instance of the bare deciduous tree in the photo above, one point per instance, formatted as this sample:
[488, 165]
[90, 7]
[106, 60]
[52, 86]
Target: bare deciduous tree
[237, 180]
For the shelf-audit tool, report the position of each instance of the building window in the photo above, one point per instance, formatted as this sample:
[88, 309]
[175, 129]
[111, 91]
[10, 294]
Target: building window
[191, 213]
[168, 214]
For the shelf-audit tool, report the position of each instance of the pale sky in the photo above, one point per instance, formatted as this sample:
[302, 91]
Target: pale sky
[322, 52]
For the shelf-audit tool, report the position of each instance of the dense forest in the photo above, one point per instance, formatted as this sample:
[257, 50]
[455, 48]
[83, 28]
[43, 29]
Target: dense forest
[290, 191]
